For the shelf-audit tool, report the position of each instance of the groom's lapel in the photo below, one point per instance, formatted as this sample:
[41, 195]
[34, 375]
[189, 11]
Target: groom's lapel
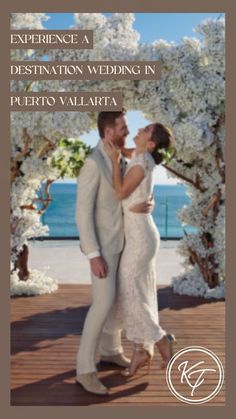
[105, 160]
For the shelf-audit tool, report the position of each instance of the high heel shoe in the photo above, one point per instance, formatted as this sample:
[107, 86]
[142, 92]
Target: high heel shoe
[138, 361]
[171, 342]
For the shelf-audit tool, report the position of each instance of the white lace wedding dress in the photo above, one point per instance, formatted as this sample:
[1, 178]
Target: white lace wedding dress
[136, 306]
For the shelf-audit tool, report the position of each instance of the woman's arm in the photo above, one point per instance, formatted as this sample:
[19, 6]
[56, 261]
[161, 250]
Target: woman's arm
[123, 186]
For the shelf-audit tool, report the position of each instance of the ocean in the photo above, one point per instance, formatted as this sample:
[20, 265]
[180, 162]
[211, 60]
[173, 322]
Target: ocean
[169, 199]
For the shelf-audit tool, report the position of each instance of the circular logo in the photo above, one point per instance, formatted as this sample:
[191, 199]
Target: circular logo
[195, 375]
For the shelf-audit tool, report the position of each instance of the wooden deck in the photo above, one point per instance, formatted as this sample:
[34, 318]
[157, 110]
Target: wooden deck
[45, 334]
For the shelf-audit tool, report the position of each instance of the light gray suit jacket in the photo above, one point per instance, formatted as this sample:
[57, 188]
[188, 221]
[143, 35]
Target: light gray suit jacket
[99, 215]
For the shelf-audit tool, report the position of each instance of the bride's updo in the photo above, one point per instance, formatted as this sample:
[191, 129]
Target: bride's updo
[163, 138]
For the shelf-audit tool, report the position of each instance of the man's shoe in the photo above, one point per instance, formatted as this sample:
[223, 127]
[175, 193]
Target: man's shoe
[119, 359]
[91, 383]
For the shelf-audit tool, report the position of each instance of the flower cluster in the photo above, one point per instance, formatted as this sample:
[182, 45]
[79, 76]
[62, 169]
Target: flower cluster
[167, 154]
[69, 157]
[38, 283]
[192, 283]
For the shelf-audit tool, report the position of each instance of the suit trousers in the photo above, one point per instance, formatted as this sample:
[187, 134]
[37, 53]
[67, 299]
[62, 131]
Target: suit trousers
[95, 333]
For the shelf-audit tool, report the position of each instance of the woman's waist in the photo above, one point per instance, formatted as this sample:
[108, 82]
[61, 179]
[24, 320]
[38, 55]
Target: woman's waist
[139, 218]
[139, 227]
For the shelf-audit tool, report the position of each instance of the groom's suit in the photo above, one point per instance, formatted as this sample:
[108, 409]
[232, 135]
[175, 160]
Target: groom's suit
[100, 223]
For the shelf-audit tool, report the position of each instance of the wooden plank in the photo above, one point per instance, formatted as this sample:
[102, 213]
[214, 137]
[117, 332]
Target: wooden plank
[45, 334]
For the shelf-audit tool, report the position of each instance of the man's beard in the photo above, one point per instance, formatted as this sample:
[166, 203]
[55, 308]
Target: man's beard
[120, 142]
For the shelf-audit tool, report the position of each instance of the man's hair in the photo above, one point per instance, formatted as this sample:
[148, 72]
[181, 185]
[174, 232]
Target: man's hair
[108, 119]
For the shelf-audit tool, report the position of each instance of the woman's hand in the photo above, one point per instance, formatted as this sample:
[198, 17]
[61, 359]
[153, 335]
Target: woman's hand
[113, 151]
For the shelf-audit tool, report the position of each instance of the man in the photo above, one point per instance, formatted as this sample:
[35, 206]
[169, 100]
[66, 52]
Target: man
[100, 223]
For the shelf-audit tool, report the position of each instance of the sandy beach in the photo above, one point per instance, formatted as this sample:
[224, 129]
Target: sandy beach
[63, 260]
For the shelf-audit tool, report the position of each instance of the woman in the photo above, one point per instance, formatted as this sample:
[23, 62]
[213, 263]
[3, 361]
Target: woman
[136, 303]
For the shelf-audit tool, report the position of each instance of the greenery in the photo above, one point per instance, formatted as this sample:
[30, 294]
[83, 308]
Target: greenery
[69, 157]
[167, 154]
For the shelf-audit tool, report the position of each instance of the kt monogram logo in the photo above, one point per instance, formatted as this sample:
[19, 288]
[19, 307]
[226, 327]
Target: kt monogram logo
[195, 375]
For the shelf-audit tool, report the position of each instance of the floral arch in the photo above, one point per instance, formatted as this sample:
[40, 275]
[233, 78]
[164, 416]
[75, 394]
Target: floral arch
[189, 98]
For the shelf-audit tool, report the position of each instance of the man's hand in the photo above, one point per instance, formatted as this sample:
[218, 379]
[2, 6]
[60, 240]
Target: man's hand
[99, 267]
[144, 207]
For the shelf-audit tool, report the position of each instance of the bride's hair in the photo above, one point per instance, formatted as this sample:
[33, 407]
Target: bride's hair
[163, 138]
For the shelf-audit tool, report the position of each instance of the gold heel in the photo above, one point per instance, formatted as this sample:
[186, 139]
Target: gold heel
[171, 342]
[142, 363]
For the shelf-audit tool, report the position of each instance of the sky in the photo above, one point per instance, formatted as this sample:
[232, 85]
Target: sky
[151, 26]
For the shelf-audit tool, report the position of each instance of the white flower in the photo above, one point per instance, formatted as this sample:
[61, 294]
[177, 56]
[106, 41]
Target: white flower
[37, 284]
